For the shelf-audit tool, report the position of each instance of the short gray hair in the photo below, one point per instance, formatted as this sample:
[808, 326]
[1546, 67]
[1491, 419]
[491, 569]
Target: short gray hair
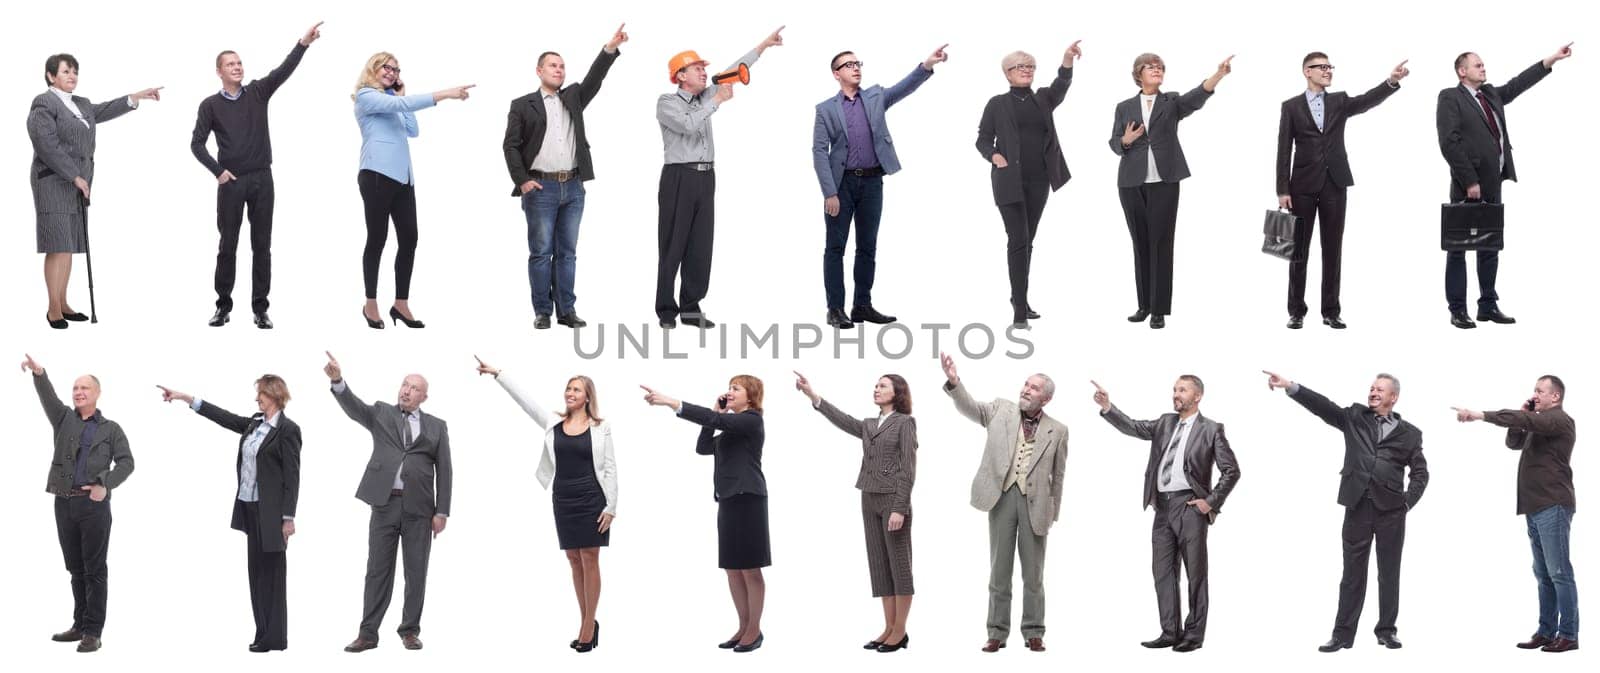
[1392, 381]
[1049, 383]
[1016, 58]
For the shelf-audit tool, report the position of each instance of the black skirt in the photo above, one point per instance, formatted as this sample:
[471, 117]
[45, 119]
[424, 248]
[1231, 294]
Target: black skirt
[743, 542]
[576, 497]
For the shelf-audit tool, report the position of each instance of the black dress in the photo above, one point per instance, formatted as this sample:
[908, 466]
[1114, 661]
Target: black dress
[576, 497]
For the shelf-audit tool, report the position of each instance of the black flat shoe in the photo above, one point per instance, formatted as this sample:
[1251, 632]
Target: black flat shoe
[728, 644]
[56, 324]
[1334, 322]
[79, 317]
[753, 646]
[873, 644]
[218, 319]
[1139, 316]
[374, 324]
[905, 641]
[394, 313]
[1296, 322]
[1158, 321]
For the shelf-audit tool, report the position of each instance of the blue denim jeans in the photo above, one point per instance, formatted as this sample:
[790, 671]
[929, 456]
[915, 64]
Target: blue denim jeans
[861, 199]
[553, 214]
[1549, 533]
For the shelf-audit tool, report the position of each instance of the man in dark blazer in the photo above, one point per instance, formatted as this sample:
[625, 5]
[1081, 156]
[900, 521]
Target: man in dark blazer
[547, 153]
[1177, 482]
[1311, 130]
[1379, 447]
[851, 177]
[1476, 143]
[407, 483]
[91, 458]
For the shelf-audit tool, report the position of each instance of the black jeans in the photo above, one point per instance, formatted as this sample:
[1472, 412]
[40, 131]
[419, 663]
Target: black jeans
[382, 198]
[255, 190]
[84, 528]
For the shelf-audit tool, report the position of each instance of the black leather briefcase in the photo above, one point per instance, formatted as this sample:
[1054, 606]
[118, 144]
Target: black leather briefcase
[1472, 225]
[1278, 236]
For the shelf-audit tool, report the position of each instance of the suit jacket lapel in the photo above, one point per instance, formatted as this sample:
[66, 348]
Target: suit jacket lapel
[879, 424]
[1041, 438]
[1477, 108]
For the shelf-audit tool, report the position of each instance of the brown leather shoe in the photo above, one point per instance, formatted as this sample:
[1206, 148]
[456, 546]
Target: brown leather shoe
[1536, 642]
[412, 642]
[68, 636]
[92, 644]
[360, 645]
[1036, 644]
[993, 645]
[1558, 645]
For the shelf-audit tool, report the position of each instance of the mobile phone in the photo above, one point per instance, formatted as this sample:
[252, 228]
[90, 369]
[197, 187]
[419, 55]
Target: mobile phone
[1530, 404]
[722, 401]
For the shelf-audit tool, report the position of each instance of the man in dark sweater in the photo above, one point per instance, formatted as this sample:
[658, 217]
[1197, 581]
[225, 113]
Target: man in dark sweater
[243, 167]
[1544, 433]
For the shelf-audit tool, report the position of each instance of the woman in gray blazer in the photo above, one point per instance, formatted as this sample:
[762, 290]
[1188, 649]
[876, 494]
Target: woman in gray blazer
[579, 460]
[61, 128]
[888, 470]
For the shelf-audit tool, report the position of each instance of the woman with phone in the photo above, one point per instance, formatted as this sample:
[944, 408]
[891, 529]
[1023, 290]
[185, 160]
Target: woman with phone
[387, 119]
[1017, 136]
[888, 470]
[733, 432]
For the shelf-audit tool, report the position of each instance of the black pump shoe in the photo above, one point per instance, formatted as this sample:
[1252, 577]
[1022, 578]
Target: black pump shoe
[394, 314]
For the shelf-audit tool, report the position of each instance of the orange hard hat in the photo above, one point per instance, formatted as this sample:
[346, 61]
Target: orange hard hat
[682, 60]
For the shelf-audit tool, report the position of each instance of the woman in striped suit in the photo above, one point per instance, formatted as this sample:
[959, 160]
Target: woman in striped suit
[888, 470]
[62, 127]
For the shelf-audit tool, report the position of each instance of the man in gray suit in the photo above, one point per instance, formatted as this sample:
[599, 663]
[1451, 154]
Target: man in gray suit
[407, 483]
[851, 151]
[1019, 485]
[1177, 482]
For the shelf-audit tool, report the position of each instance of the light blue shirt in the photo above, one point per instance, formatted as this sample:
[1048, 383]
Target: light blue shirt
[1314, 99]
[386, 121]
[249, 490]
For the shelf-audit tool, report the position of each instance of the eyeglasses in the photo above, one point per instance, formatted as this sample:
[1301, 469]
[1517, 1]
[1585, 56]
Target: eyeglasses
[853, 65]
[1154, 66]
[1325, 67]
[391, 69]
[1024, 67]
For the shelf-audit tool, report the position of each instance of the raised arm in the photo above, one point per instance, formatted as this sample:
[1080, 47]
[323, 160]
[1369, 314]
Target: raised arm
[530, 407]
[1539, 423]
[281, 74]
[1324, 409]
[913, 80]
[601, 65]
[712, 420]
[1145, 430]
[54, 410]
[841, 420]
[370, 101]
[358, 411]
[1378, 94]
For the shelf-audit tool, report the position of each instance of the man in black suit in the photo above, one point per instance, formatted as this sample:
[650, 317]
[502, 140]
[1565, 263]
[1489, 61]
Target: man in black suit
[1177, 482]
[410, 464]
[1379, 446]
[1477, 144]
[547, 153]
[1311, 130]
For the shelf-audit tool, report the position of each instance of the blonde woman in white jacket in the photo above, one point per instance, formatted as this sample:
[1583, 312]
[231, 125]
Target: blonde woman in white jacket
[577, 458]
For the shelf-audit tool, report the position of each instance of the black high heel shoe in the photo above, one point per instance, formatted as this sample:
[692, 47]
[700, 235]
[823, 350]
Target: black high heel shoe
[905, 641]
[374, 324]
[413, 324]
[56, 324]
[594, 641]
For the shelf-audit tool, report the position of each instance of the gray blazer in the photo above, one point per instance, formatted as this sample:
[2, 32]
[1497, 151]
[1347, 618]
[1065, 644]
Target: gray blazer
[1160, 137]
[63, 148]
[1207, 445]
[888, 453]
[109, 462]
[426, 462]
[1003, 420]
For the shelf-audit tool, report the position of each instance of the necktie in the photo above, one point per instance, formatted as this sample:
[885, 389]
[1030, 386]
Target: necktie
[1172, 453]
[1494, 126]
[405, 428]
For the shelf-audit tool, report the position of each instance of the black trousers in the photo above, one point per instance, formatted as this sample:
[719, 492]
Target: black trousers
[687, 201]
[83, 527]
[1455, 263]
[1178, 535]
[255, 190]
[383, 199]
[1152, 213]
[1022, 224]
[1330, 205]
[1363, 524]
[269, 572]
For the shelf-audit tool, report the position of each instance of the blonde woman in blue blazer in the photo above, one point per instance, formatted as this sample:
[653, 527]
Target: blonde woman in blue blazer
[386, 117]
[579, 460]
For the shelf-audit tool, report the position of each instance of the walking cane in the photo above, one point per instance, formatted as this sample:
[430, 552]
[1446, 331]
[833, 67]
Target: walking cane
[83, 210]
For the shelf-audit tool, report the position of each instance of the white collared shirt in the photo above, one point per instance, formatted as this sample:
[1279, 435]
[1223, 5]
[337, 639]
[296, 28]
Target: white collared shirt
[1147, 104]
[66, 99]
[558, 151]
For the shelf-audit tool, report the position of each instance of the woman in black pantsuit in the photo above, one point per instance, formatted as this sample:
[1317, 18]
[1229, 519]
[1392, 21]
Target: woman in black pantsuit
[267, 472]
[744, 544]
[579, 463]
[1017, 136]
[888, 470]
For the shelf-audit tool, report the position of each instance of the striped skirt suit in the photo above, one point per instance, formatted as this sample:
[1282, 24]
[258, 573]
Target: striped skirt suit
[63, 140]
[888, 470]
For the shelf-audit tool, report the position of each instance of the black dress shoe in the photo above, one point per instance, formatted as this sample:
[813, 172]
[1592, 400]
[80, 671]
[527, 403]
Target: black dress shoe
[1333, 645]
[1032, 314]
[219, 318]
[668, 324]
[1187, 646]
[728, 644]
[1139, 316]
[1389, 641]
[1020, 323]
[905, 641]
[92, 644]
[1461, 321]
[259, 648]
[838, 318]
[75, 317]
[1536, 642]
[1296, 322]
[56, 324]
[1158, 321]
[1492, 315]
[873, 645]
[572, 320]
[696, 320]
[869, 314]
[753, 646]
[397, 317]
[1334, 322]
[541, 321]
[74, 635]
[262, 321]
[1163, 641]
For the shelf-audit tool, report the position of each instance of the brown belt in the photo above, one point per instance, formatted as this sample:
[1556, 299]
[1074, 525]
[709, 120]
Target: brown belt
[558, 176]
[396, 492]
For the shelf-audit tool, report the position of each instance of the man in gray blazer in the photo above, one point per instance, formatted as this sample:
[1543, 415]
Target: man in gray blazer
[1019, 485]
[851, 151]
[407, 483]
[1177, 482]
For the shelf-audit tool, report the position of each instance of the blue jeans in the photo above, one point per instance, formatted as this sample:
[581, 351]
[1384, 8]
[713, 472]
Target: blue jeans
[860, 198]
[1549, 532]
[553, 214]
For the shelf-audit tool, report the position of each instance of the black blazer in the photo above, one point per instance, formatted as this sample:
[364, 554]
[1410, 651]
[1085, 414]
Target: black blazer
[1464, 136]
[737, 449]
[1160, 137]
[1369, 461]
[1207, 444]
[1319, 155]
[998, 134]
[525, 124]
[277, 470]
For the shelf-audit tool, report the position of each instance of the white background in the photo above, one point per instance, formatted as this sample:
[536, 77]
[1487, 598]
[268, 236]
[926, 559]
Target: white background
[499, 592]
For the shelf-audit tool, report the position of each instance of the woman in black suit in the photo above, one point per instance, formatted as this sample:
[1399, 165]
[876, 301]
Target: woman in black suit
[267, 471]
[888, 470]
[1145, 135]
[1017, 136]
[743, 541]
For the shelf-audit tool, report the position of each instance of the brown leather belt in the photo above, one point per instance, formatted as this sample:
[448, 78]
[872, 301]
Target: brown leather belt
[396, 492]
[558, 176]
